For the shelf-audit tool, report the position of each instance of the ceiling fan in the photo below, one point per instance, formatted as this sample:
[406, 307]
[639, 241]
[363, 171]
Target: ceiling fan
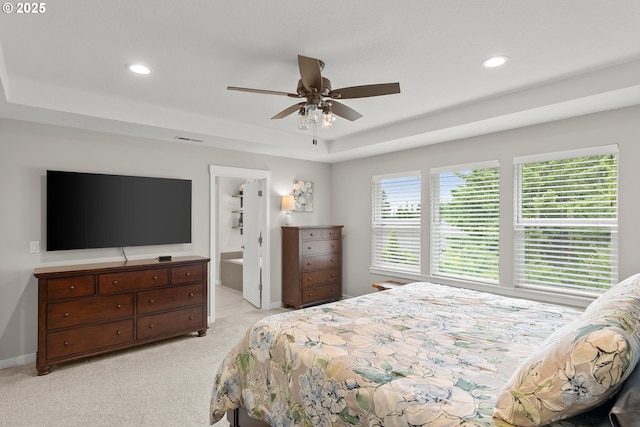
[319, 95]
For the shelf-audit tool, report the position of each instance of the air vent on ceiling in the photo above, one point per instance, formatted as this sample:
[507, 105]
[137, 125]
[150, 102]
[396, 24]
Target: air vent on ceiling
[184, 138]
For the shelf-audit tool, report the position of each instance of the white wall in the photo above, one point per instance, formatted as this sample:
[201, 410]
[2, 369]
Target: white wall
[351, 201]
[229, 238]
[27, 150]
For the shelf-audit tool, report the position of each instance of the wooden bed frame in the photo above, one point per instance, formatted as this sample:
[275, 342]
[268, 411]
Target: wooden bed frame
[240, 418]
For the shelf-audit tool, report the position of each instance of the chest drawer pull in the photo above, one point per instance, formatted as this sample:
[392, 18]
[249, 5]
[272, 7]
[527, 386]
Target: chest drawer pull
[66, 343]
[187, 274]
[151, 301]
[191, 294]
[118, 305]
[151, 326]
[155, 277]
[72, 287]
[115, 282]
[190, 317]
[118, 333]
[66, 314]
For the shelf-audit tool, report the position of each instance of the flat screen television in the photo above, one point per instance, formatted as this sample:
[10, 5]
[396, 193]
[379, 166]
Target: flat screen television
[88, 210]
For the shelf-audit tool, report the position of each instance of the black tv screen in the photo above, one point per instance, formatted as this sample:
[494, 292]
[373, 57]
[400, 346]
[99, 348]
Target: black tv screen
[87, 210]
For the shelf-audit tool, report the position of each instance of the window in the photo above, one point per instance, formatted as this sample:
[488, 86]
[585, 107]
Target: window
[566, 220]
[465, 222]
[396, 222]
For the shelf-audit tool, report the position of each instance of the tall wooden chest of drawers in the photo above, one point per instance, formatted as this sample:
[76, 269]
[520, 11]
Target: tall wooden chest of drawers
[85, 310]
[311, 265]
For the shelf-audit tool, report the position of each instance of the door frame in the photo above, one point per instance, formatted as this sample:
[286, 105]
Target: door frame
[233, 172]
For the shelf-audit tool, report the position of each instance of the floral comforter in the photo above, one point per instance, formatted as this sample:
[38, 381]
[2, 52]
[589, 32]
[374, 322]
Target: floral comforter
[420, 355]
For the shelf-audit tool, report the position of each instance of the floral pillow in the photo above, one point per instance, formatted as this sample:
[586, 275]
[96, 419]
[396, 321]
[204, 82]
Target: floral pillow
[580, 365]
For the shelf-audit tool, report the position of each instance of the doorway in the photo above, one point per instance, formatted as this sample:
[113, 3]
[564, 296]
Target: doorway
[262, 178]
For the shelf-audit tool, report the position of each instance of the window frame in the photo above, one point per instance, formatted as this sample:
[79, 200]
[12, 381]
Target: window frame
[412, 226]
[436, 229]
[520, 224]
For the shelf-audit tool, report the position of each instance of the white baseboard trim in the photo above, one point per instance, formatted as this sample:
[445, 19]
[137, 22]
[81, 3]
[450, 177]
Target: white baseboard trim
[17, 361]
[275, 305]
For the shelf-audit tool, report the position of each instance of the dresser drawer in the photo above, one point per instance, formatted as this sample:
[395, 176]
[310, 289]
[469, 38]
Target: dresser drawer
[89, 338]
[164, 299]
[331, 233]
[89, 310]
[320, 262]
[321, 293]
[70, 287]
[157, 325]
[189, 273]
[319, 277]
[315, 233]
[117, 282]
[320, 247]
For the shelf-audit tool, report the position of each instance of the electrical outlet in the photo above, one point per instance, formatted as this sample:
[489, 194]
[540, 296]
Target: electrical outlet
[35, 247]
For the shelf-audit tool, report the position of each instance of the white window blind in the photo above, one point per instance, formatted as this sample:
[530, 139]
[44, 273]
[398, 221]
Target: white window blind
[395, 234]
[566, 221]
[465, 222]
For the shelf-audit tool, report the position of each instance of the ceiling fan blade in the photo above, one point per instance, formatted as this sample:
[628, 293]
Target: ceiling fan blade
[365, 91]
[343, 111]
[310, 72]
[290, 110]
[267, 92]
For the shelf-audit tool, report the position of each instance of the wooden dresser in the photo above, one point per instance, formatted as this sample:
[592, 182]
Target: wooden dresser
[85, 310]
[311, 265]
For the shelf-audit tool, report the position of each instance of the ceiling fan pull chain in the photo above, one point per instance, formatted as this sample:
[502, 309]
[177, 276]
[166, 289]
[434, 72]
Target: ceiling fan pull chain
[315, 133]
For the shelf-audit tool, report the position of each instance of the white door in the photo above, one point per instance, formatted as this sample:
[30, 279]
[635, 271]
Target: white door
[252, 212]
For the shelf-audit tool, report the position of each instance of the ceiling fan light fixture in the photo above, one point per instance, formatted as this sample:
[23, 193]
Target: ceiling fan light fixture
[311, 113]
[495, 61]
[139, 69]
[327, 118]
[302, 119]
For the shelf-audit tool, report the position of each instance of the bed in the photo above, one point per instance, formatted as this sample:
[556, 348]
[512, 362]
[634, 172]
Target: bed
[432, 355]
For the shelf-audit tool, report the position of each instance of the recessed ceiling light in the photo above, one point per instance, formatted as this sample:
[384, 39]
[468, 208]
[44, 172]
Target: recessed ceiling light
[495, 61]
[138, 68]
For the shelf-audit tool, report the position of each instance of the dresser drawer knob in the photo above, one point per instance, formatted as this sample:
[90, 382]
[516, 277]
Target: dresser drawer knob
[66, 343]
[191, 294]
[309, 247]
[118, 333]
[309, 293]
[118, 305]
[72, 287]
[308, 262]
[308, 279]
[187, 274]
[66, 314]
[151, 326]
[190, 317]
[115, 282]
[151, 301]
[155, 277]
[333, 275]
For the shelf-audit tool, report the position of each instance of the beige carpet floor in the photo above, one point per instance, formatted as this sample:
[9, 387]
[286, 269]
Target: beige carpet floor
[162, 384]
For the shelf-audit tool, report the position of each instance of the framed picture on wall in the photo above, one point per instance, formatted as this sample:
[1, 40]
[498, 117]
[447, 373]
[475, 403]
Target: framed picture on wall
[303, 195]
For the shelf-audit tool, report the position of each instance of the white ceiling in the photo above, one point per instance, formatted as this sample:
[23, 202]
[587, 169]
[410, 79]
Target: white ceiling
[66, 66]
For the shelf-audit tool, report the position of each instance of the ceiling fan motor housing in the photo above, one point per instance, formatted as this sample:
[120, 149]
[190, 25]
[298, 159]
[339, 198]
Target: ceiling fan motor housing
[304, 92]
